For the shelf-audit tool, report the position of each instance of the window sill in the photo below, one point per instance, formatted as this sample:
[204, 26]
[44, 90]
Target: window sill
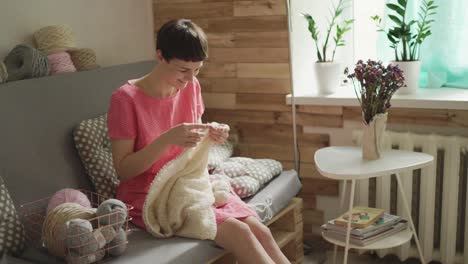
[437, 98]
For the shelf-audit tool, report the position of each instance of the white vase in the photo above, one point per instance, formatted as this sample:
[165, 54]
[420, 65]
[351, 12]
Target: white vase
[411, 71]
[373, 136]
[328, 76]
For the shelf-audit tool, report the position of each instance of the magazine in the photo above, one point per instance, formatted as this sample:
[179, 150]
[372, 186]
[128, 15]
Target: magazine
[400, 226]
[361, 217]
[384, 223]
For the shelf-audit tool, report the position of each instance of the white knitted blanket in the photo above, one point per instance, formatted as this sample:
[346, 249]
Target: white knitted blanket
[180, 198]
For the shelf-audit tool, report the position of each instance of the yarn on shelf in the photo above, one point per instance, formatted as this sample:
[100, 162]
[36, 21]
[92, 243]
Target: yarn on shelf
[68, 195]
[60, 62]
[55, 38]
[24, 62]
[83, 59]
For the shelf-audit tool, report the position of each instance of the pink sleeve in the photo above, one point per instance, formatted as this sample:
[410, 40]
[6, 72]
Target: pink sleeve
[121, 123]
[200, 106]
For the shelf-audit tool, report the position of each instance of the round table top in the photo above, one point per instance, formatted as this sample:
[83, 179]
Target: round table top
[346, 163]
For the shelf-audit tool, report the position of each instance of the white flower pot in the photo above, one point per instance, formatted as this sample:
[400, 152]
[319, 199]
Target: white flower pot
[411, 71]
[328, 76]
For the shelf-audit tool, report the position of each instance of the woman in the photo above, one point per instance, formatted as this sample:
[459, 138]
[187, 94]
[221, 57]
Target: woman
[152, 119]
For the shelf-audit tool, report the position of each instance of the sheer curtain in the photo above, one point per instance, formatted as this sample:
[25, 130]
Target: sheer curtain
[444, 54]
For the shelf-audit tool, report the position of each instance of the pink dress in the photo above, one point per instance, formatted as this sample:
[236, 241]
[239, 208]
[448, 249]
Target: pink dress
[133, 114]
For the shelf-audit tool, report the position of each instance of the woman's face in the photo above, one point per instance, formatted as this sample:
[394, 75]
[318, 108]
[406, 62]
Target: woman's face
[179, 72]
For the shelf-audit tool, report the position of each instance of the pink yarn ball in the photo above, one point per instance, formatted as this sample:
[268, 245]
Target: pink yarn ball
[68, 195]
[60, 62]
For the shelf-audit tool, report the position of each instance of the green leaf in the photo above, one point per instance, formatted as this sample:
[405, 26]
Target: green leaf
[402, 2]
[375, 17]
[397, 9]
[395, 19]
[390, 37]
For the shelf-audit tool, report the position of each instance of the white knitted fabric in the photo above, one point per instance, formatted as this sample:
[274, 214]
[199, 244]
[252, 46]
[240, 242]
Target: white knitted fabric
[180, 198]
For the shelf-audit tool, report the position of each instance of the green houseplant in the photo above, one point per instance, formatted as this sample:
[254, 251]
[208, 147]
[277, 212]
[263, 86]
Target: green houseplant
[327, 69]
[406, 37]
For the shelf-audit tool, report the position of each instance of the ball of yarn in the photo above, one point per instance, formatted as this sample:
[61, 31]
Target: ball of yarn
[84, 59]
[25, 62]
[68, 195]
[75, 258]
[54, 38]
[3, 72]
[108, 232]
[118, 246]
[60, 62]
[53, 234]
[80, 237]
[112, 212]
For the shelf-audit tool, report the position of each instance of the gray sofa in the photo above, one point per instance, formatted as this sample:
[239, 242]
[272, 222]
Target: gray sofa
[38, 156]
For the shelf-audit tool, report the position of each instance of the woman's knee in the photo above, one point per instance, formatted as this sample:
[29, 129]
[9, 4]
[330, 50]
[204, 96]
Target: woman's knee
[264, 231]
[233, 229]
[260, 230]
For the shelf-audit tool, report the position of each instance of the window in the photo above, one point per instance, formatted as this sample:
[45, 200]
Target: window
[442, 54]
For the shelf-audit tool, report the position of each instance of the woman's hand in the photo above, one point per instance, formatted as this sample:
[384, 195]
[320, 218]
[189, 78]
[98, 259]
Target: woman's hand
[186, 135]
[218, 132]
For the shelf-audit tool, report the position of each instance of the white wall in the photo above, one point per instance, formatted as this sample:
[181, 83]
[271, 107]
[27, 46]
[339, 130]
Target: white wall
[119, 31]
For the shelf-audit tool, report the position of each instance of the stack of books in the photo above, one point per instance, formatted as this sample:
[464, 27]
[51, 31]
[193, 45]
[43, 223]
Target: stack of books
[368, 225]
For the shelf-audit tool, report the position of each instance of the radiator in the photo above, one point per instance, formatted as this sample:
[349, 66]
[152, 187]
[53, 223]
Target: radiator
[437, 196]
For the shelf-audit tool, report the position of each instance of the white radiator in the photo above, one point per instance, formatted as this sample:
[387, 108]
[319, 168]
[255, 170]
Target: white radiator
[437, 196]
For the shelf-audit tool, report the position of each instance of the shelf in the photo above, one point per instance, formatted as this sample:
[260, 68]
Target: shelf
[425, 98]
[395, 240]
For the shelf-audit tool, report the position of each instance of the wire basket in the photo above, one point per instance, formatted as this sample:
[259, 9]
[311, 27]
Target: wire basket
[33, 215]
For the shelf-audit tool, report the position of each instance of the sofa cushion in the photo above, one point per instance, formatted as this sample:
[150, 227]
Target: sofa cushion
[248, 175]
[94, 148]
[12, 236]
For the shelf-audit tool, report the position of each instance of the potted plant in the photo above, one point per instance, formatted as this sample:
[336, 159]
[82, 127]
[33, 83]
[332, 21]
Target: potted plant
[374, 85]
[406, 37]
[327, 70]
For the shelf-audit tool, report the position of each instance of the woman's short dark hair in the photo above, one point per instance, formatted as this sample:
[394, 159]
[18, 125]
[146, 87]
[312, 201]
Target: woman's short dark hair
[182, 39]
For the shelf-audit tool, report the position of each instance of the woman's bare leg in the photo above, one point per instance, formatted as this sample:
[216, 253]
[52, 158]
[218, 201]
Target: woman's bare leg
[236, 237]
[264, 236]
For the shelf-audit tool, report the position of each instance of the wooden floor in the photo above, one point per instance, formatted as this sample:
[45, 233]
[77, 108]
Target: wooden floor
[287, 228]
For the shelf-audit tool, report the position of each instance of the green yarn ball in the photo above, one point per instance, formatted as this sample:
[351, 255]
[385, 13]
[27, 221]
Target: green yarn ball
[119, 244]
[112, 212]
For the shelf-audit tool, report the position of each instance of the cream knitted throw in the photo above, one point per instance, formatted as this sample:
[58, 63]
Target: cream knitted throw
[180, 198]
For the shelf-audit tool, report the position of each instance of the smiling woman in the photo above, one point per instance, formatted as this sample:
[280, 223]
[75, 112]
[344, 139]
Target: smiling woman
[151, 120]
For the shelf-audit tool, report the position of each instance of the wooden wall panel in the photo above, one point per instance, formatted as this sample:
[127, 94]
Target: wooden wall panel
[193, 10]
[263, 70]
[259, 8]
[266, 55]
[256, 86]
[273, 39]
[218, 70]
[270, 39]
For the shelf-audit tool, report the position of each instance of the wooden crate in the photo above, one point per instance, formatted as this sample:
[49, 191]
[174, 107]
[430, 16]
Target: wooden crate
[286, 228]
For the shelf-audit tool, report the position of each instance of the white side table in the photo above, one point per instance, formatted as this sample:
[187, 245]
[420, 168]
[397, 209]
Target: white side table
[346, 163]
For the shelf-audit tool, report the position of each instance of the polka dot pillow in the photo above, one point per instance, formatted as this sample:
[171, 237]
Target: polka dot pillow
[12, 235]
[245, 186]
[94, 148]
[219, 153]
[248, 175]
[230, 168]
